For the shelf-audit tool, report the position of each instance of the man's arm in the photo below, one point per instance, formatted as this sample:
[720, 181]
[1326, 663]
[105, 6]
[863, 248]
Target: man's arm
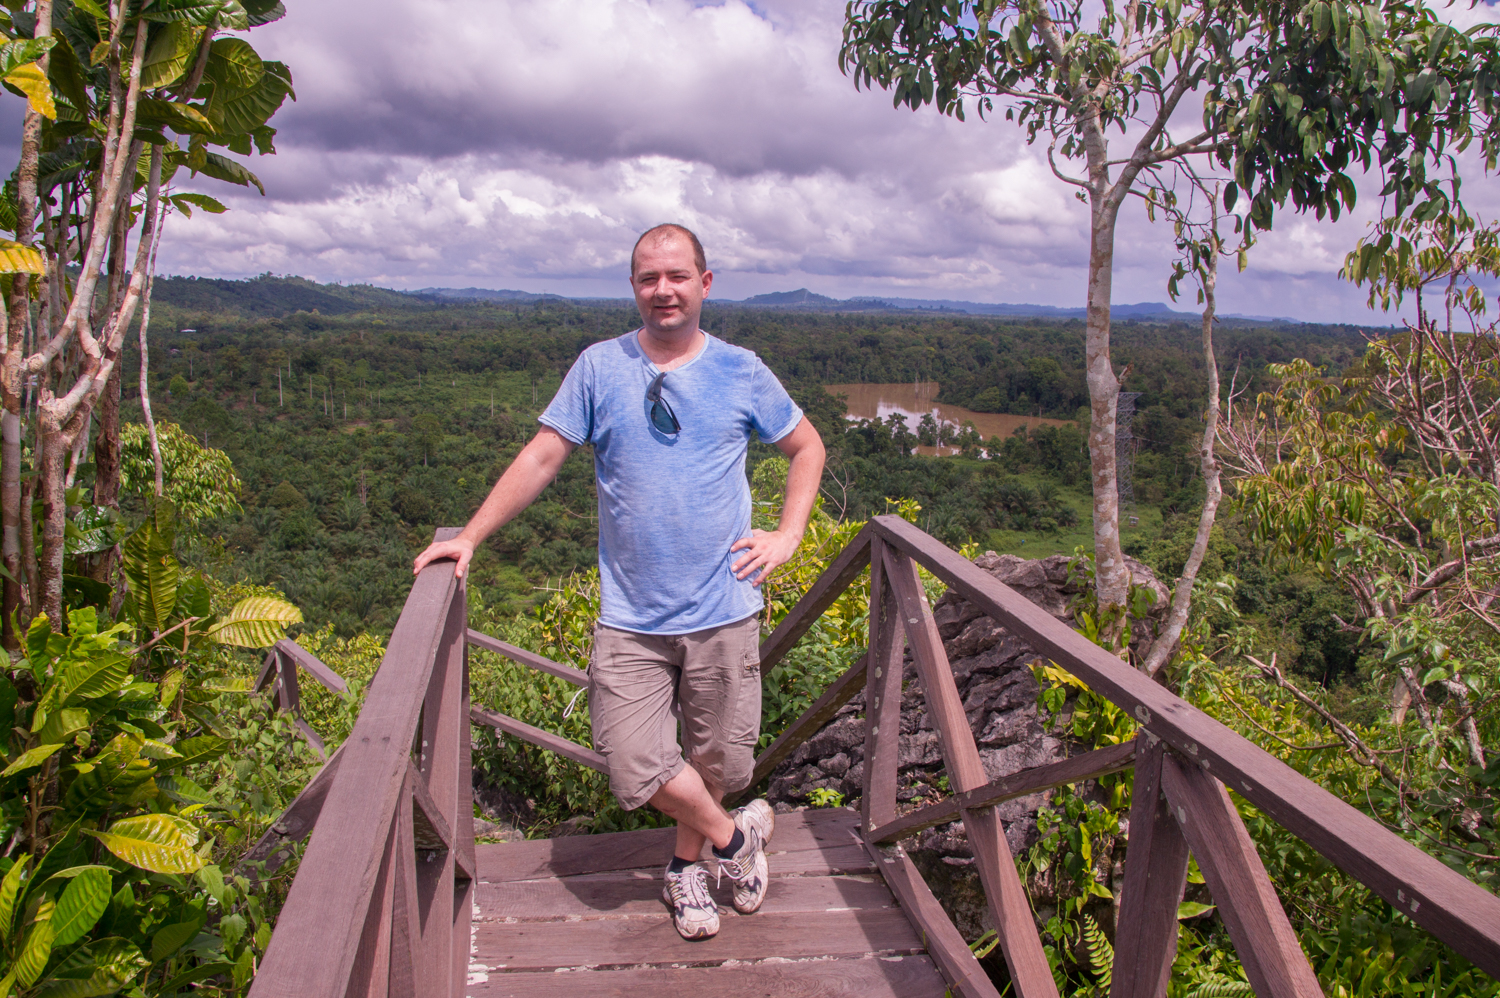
[531, 471]
[768, 550]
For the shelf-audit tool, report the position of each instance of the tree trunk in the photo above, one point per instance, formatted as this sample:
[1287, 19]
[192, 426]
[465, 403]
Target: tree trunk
[1182, 597]
[10, 504]
[50, 479]
[1111, 578]
[107, 471]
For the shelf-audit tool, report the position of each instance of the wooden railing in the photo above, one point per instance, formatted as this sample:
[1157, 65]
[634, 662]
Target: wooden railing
[381, 902]
[362, 905]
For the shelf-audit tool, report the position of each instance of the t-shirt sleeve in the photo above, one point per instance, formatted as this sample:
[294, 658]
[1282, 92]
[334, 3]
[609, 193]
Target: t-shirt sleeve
[571, 411]
[773, 414]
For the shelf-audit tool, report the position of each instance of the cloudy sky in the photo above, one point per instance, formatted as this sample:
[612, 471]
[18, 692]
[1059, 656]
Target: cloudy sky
[524, 143]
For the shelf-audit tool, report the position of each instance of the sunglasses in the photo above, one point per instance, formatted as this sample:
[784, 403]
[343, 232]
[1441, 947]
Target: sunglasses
[662, 416]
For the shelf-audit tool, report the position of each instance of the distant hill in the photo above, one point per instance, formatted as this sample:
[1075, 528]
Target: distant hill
[483, 294]
[270, 296]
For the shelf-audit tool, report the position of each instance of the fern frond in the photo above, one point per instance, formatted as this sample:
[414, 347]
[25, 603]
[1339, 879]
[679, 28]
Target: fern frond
[1101, 953]
[1223, 989]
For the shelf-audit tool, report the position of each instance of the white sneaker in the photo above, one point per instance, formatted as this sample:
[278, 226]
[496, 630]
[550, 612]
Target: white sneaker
[694, 913]
[748, 868]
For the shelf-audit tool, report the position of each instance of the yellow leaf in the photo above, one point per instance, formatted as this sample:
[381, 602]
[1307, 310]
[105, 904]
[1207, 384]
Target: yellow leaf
[31, 81]
[18, 259]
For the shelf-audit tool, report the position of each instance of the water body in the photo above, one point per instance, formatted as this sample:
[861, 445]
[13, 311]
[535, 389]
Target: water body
[913, 400]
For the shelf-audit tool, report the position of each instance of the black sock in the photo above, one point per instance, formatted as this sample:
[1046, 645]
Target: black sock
[735, 845]
[678, 864]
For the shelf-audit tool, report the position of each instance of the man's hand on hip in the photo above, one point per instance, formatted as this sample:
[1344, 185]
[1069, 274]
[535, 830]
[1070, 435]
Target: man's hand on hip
[458, 549]
[765, 551]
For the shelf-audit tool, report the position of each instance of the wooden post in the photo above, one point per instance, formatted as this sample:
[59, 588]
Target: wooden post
[1156, 865]
[882, 699]
[1014, 922]
[1236, 877]
[406, 925]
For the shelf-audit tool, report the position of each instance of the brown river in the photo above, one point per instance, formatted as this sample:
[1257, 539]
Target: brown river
[913, 400]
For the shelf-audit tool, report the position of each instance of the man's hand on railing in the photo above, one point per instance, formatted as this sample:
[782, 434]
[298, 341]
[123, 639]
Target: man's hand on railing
[459, 549]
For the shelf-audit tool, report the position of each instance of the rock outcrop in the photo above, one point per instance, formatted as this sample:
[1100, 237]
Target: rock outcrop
[993, 671]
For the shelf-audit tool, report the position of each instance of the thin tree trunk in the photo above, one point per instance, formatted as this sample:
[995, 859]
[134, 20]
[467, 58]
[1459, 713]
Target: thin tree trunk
[1111, 576]
[146, 366]
[1182, 597]
[50, 479]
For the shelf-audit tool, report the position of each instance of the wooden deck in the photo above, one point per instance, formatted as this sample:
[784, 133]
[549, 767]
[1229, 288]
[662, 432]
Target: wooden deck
[583, 916]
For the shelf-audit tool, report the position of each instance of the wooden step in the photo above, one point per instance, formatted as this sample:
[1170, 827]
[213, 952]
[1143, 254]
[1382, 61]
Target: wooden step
[870, 977]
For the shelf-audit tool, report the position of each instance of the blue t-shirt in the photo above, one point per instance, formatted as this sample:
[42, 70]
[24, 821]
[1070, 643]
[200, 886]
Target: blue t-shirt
[671, 505]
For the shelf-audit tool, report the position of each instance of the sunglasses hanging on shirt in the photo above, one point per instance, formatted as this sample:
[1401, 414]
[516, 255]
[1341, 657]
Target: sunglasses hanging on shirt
[662, 416]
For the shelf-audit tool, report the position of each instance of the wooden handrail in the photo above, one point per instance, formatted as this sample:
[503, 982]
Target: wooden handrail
[351, 916]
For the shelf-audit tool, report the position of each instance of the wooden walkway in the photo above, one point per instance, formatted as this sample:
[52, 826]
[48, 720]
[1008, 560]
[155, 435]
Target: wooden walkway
[583, 916]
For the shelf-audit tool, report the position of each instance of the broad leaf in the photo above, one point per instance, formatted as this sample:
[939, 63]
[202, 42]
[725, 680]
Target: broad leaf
[81, 904]
[227, 170]
[103, 967]
[34, 953]
[104, 673]
[233, 65]
[31, 757]
[171, 938]
[63, 724]
[170, 55]
[196, 750]
[255, 622]
[10, 891]
[18, 259]
[262, 12]
[184, 118]
[161, 843]
[14, 54]
[203, 201]
[30, 80]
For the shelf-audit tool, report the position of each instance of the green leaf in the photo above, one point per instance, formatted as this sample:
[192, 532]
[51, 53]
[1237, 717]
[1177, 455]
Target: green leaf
[34, 953]
[102, 674]
[208, 204]
[234, 65]
[227, 170]
[81, 904]
[171, 938]
[1192, 909]
[63, 724]
[31, 757]
[170, 55]
[199, 749]
[183, 118]
[255, 622]
[10, 890]
[102, 967]
[232, 929]
[161, 843]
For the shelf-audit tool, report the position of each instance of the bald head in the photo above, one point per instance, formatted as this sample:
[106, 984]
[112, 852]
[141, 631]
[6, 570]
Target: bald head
[666, 233]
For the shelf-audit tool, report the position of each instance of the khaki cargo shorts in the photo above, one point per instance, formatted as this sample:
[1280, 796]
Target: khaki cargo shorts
[642, 685]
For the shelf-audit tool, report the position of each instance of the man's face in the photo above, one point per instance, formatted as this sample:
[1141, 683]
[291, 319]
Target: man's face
[669, 290]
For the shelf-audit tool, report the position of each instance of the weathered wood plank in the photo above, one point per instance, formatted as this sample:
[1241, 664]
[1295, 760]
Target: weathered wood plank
[406, 923]
[830, 585]
[803, 841]
[294, 824]
[642, 940]
[444, 727]
[944, 944]
[318, 932]
[889, 977]
[1441, 900]
[314, 666]
[1156, 865]
[1075, 769]
[838, 693]
[1014, 922]
[484, 642]
[431, 832]
[370, 975]
[882, 696]
[1236, 877]
[612, 895]
[542, 739]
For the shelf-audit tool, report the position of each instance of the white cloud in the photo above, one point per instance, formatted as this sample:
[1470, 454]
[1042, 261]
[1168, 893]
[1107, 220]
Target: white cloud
[524, 144]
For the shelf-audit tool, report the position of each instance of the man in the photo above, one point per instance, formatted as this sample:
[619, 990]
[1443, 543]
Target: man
[669, 410]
